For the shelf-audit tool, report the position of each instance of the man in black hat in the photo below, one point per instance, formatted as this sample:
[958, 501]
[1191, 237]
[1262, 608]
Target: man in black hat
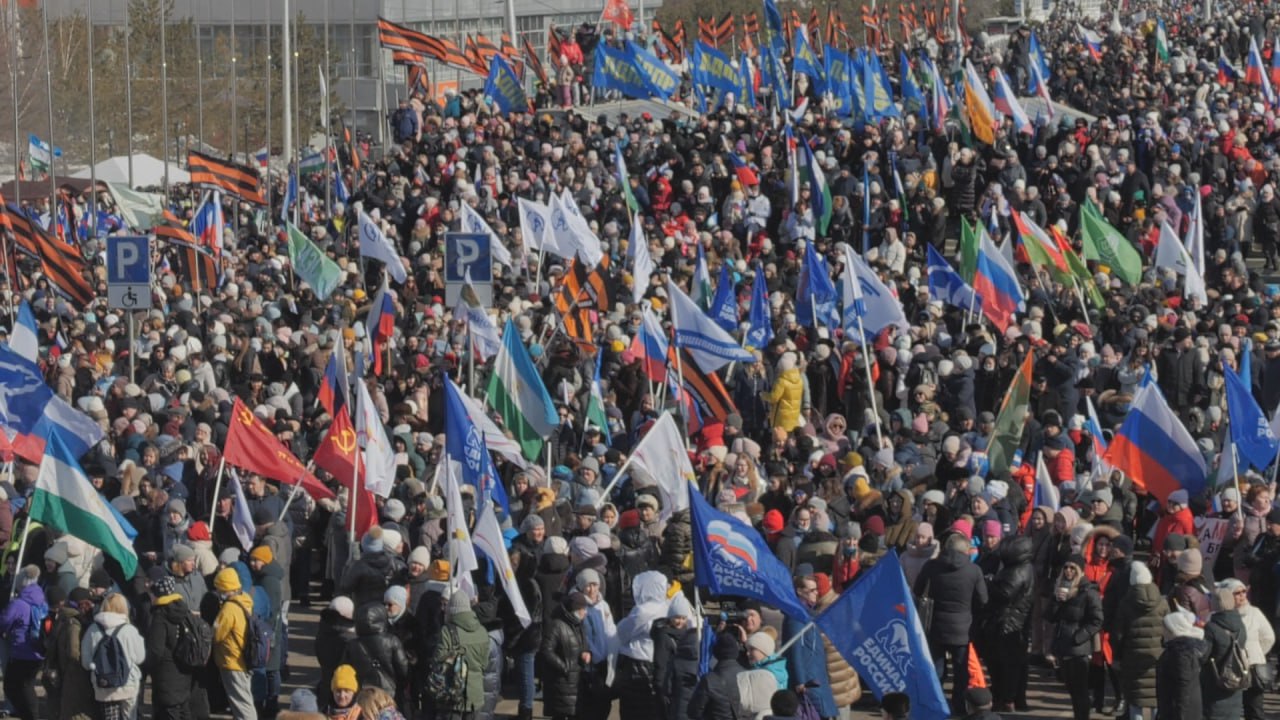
[1181, 372]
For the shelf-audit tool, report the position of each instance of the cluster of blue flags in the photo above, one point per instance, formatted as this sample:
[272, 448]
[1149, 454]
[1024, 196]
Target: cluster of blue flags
[710, 68]
[503, 87]
[817, 301]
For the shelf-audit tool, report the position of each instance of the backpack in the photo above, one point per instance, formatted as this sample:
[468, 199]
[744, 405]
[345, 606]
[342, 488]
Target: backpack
[38, 625]
[1233, 673]
[194, 644]
[257, 641]
[110, 664]
[447, 677]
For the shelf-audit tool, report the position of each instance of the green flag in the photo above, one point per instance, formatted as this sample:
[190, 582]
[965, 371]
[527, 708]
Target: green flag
[1083, 276]
[1162, 41]
[969, 240]
[1106, 245]
[1009, 423]
[313, 266]
[625, 182]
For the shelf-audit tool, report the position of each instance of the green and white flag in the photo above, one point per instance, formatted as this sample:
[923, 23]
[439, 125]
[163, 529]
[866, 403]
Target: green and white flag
[1162, 41]
[1104, 243]
[314, 267]
[517, 394]
[65, 500]
[41, 155]
[140, 210]
[596, 413]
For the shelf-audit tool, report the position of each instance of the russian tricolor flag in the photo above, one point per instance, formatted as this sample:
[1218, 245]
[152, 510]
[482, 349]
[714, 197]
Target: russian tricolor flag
[208, 223]
[1275, 62]
[1227, 73]
[1092, 42]
[1154, 448]
[381, 324]
[1007, 103]
[1254, 75]
[996, 283]
[651, 346]
[745, 174]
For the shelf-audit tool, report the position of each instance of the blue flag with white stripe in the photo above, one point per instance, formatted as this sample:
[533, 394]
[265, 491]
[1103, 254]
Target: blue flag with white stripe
[1250, 431]
[724, 306]
[710, 346]
[760, 333]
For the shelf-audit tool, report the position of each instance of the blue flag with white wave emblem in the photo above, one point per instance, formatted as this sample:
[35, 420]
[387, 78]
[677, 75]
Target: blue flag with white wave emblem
[874, 626]
[465, 444]
[1250, 430]
[731, 558]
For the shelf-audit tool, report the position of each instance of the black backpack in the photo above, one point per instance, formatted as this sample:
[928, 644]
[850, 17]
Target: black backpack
[1234, 672]
[110, 664]
[194, 644]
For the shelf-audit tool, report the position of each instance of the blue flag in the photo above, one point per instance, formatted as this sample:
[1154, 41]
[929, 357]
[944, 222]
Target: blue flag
[290, 196]
[839, 68]
[878, 92]
[659, 78]
[340, 189]
[712, 68]
[1036, 56]
[816, 297]
[614, 70]
[774, 73]
[760, 333]
[731, 558]
[503, 87]
[1250, 431]
[874, 626]
[746, 83]
[945, 284]
[464, 443]
[806, 60]
[911, 92]
[724, 306]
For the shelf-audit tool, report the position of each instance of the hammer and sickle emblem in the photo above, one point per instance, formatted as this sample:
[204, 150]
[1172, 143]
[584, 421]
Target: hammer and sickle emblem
[345, 441]
[246, 416]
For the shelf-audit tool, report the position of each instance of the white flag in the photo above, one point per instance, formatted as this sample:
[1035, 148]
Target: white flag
[864, 293]
[375, 244]
[461, 549]
[711, 347]
[571, 231]
[379, 456]
[488, 538]
[535, 228]
[1172, 254]
[662, 456]
[473, 223]
[241, 518]
[484, 334]
[642, 262]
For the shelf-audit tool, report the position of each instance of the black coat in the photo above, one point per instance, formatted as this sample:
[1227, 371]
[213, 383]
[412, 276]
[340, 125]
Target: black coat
[1178, 680]
[675, 666]
[1078, 619]
[376, 653]
[332, 635]
[1221, 704]
[716, 696]
[1012, 592]
[170, 682]
[560, 663]
[959, 592]
[550, 578]
[365, 580]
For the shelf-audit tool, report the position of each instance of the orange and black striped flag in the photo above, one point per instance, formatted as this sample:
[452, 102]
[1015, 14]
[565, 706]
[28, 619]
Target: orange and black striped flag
[886, 27]
[486, 50]
[239, 180]
[725, 30]
[706, 390]
[196, 266]
[416, 81]
[171, 229]
[399, 37]
[512, 55]
[407, 58]
[475, 62]
[680, 36]
[531, 56]
[815, 26]
[751, 23]
[674, 50]
[706, 32]
[61, 263]
[555, 41]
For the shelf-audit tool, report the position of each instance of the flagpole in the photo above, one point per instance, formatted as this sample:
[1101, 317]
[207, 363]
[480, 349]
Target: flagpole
[286, 62]
[324, 108]
[267, 103]
[616, 478]
[22, 550]
[128, 98]
[794, 639]
[13, 100]
[292, 494]
[217, 487]
[355, 481]
[93, 136]
[871, 388]
[675, 328]
[164, 100]
[48, 84]
[199, 83]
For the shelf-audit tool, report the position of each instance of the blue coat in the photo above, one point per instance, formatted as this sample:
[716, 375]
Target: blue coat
[807, 661]
[16, 620]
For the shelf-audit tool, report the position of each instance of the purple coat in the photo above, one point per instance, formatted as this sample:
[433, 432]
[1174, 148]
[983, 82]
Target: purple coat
[16, 619]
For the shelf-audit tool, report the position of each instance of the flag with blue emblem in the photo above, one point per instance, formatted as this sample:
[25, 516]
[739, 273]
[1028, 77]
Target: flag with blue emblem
[29, 407]
[816, 296]
[710, 346]
[731, 558]
[875, 628]
[760, 333]
[945, 284]
[1250, 431]
[465, 445]
[868, 304]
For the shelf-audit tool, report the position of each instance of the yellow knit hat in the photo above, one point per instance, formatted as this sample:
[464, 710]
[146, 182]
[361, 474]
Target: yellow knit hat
[227, 580]
[344, 678]
[263, 554]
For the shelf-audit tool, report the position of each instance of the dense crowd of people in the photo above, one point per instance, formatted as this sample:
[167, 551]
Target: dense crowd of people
[1134, 607]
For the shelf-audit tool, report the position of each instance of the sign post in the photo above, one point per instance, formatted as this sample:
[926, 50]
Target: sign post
[468, 255]
[129, 280]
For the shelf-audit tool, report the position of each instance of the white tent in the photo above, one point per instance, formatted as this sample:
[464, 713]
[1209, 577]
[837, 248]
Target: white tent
[147, 171]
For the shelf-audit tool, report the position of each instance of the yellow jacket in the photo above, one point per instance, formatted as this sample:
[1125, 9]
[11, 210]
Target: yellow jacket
[786, 400]
[230, 629]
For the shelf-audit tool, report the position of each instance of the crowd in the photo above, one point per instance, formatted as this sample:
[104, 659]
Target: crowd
[1116, 590]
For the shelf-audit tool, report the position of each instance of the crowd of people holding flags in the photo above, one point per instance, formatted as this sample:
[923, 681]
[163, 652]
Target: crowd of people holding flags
[867, 388]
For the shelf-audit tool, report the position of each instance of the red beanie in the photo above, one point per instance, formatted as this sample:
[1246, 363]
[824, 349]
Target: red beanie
[773, 522]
